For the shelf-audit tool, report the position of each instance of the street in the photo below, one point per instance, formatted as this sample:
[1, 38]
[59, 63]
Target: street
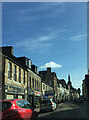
[66, 110]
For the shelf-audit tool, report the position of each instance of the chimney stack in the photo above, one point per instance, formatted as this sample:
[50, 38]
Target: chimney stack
[49, 69]
[8, 49]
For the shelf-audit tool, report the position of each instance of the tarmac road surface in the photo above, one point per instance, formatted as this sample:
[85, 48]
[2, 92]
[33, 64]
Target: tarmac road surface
[66, 111]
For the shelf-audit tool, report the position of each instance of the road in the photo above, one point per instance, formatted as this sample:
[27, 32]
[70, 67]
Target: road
[66, 111]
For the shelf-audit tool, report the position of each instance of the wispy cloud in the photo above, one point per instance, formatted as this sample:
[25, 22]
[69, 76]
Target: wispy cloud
[45, 40]
[41, 7]
[31, 14]
[51, 64]
[32, 44]
[37, 43]
[78, 37]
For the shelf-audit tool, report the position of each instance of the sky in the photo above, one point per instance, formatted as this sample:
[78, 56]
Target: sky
[51, 34]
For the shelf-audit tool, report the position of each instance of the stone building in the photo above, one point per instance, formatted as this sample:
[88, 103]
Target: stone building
[45, 88]
[64, 93]
[33, 80]
[14, 75]
[50, 79]
[20, 79]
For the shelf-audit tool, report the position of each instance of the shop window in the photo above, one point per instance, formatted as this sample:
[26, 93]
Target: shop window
[23, 77]
[9, 70]
[20, 96]
[10, 97]
[19, 75]
[14, 73]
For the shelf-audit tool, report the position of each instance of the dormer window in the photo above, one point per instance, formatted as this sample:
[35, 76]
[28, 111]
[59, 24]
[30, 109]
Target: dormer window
[28, 63]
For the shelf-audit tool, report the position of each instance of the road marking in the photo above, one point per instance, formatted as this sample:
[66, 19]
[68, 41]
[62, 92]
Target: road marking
[60, 104]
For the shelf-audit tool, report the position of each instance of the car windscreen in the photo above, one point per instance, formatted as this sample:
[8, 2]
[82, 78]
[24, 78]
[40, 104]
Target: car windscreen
[5, 105]
[24, 104]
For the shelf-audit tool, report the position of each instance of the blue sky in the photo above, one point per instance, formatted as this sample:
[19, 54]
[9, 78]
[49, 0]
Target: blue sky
[50, 34]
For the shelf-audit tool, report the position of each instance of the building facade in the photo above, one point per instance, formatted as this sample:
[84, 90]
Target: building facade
[14, 76]
[18, 79]
[33, 80]
[50, 79]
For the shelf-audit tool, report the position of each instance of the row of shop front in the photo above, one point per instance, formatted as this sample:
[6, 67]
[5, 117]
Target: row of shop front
[33, 96]
[14, 92]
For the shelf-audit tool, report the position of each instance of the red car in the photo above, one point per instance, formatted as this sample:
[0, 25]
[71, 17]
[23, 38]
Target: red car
[17, 109]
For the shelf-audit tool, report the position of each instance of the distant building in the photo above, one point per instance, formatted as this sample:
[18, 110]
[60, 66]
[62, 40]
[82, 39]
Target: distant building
[50, 79]
[63, 87]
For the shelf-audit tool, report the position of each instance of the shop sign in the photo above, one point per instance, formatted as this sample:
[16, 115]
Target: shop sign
[14, 89]
[37, 93]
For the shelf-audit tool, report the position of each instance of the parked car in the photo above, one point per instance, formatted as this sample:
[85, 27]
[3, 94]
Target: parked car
[18, 109]
[54, 105]
[47, 104]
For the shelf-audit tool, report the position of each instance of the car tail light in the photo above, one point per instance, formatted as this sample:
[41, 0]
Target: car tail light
[51, 103]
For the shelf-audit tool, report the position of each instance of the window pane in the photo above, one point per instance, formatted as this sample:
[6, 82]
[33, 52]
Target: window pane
[14, 73]
[9, 70]
[23, 77]
[37, 85]
[20, 103]
[19, 75]
[27, 104]
[30, 82]
[33, 82]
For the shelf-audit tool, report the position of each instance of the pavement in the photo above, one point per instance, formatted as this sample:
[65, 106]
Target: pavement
[59, 104]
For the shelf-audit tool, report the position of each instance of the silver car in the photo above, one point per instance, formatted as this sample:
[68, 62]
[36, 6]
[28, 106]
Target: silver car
[45, 105]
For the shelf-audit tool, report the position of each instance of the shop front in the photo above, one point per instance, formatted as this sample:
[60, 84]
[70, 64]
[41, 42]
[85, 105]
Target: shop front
[37, 96]
[34, 96]
[13, 92]
[31, 96]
